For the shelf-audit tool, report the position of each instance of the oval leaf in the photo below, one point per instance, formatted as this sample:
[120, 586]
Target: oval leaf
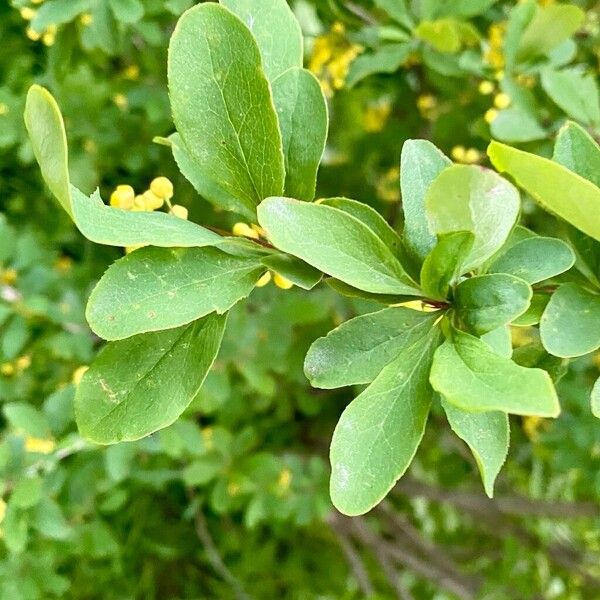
[336, 243]
[142, 384]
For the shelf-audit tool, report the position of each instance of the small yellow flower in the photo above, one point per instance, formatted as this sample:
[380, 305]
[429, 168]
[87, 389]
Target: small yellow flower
[426, 102]
[502, 100]
[472, 156]
[282, 282]
[499, 75]
[7, 369]
[179, 211]
[39, 445]
[233, 488]
[121, 101]
[8, 276]
[486, 88]
[284, 480]
[27, 13]
[388, 189]
[123, 197]
[490, 115]
[49, 36]
[32, 34]
[23, 362]
[162, 187]
[63, 264]
[244, 230]
[132, 72]
[86, 19]
[531, 427]
[152, 201]
[458, 153]
[263, 279]
[375, 116]
[78, 374]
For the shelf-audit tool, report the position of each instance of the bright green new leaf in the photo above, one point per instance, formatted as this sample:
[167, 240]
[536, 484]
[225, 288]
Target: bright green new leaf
[535, 259]
[575, 92]
[158, 288]
[142, 384]
[570, 325]
[336, 243]
[596, 399]
[554, 187]
[386, 59]
[488, 436]
[576, 149]
[443, 34]
[347, 290]
[294, 269]
[472, 376]
[549, 26]
[302, 113]
[116, 227]
[206, 187]
[487, 302]
[378, 434]
[421, 162]
[275, 30]
[356, 351]
[46, 130]
[222, 105]
[443, 265]
[533, 315]
[469, 198]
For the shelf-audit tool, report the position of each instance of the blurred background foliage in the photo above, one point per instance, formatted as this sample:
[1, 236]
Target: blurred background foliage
[231, 501]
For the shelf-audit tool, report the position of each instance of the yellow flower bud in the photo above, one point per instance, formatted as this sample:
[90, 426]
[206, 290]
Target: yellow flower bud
[39, 445]
[23, 362]
[531, 426]
[132, 72]
[121, 101]
[123, 197]
[490, 115]
[284, 480]
[282, 282]
[263, 279]
[32, 34]
[27, 13]
[152, 201]
[472, 156]
[162, 187]
[426, 102]
[86, 19]
[502, 100]
[244, 230]
[179, 211]
[458, 153]
[78, 374]
[486, 88]
[49, 38]
[7, 369]
[8, 276]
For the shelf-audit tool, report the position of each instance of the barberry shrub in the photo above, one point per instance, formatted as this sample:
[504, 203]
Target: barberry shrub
[251, 125]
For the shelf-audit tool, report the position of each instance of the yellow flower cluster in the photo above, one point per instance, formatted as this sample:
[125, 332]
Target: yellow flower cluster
[531, 427]
[331, 58]
[494, 55]
[375, 115]
[48, 36]
[501, 101]
[427, 105]
[8, 369]
[39, 445]
[388, 188]
[467, 156]
[255, 232]
[8, 276]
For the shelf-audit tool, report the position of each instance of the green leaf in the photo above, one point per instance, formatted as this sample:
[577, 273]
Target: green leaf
[142, 384]
[302, 113]
[487, 302]
[378, 434]
[570, 325]
[26, 418]
[371, 218]
[533, 315]
[488, 436]
[443, 265]
[356, 351]
[535, 259]
[275, 30]
[575, 92]
[127, 11]
[443, 34]
[554, 187]
[471, 376]
[159, 288]
[351, 292]
[115, 227]
[386, 59]
[292, 268]
[49, 141]
[469, 198]
[516, 125]
[222, 105]
[397, 10]
[499, 340]
[576, 150]
[596, 399]
[336, 243]
[549, 26]
[421, 162]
